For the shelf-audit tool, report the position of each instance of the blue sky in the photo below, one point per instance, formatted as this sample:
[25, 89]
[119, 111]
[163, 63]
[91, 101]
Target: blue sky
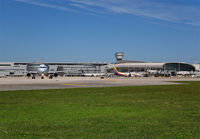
[93, 30]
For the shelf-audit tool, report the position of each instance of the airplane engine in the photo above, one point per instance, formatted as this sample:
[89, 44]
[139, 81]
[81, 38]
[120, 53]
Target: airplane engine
[55, 74]
[28, 75]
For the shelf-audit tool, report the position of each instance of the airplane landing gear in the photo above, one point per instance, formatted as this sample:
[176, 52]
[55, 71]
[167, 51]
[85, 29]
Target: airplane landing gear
[51, 77]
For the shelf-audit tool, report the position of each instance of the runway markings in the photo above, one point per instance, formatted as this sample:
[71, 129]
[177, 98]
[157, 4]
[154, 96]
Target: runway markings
[73, 84]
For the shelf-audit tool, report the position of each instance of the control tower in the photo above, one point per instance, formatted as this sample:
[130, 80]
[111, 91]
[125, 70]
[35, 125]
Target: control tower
[119, 56]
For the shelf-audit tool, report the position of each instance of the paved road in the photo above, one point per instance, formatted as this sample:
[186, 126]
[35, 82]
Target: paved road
[20, 83]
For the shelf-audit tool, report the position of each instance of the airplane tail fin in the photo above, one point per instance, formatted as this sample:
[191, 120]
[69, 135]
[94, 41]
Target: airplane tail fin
[116, 72]
[115, 69]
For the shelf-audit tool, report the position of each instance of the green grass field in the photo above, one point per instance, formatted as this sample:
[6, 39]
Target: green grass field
[169, 111]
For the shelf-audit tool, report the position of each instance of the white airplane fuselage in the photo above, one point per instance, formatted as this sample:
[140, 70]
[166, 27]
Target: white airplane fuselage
[42, 69]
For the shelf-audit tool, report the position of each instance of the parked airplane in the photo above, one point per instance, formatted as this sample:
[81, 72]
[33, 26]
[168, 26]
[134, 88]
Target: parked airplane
[129, 74]
[116, 72]
[42, 71]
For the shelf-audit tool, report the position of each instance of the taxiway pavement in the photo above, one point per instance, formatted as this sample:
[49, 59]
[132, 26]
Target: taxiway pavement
[23, 83]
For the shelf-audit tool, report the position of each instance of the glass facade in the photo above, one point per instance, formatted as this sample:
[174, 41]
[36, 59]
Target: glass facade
[78, 70]
[178, 67]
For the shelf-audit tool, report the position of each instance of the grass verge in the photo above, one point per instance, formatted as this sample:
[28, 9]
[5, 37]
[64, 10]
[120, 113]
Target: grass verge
[168, 111]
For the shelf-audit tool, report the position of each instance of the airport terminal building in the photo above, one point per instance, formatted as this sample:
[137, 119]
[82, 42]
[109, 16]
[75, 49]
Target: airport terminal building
[62, 69]
[150, 68]
[153, 68]
[92, 69]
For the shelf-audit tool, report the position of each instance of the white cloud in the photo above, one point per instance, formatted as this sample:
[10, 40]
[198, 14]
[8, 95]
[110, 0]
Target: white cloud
[63, 8]
[145, 8]
[195, 24]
